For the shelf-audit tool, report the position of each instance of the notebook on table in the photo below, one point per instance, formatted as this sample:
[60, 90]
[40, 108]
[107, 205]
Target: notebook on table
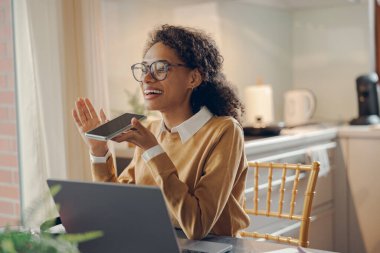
[133, 218]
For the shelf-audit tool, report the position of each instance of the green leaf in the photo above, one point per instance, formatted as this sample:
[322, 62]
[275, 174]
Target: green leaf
[77, 238]
[55, 189]
[134, 101]
[7, 246]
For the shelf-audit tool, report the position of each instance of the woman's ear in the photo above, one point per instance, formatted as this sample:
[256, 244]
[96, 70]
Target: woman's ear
[195, 78]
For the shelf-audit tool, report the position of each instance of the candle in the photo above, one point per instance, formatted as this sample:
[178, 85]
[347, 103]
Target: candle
[259, 105]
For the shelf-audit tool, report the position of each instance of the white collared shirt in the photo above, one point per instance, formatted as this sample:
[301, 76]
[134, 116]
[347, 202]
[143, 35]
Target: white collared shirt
[186, 130]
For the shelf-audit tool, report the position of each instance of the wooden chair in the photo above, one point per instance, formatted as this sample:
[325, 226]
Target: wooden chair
[297, 172]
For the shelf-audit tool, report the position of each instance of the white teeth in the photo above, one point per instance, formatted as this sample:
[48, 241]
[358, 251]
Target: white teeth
[146, 92]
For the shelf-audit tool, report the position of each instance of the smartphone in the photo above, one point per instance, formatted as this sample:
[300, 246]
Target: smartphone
[113, 127]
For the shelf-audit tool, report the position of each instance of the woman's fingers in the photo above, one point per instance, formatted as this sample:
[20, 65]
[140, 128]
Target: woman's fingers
[118, 139]
[103, 117]
[86, 119]
[132, 134]
[81, 115]
[91, 108]
[76, 118]
[138, 126]
[128, 135]
[85, 110]
[138, 135]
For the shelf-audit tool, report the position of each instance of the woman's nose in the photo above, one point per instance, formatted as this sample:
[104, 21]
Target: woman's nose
[148, 77]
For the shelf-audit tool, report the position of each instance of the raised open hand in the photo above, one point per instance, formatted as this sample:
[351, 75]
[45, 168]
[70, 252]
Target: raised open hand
[86, 119]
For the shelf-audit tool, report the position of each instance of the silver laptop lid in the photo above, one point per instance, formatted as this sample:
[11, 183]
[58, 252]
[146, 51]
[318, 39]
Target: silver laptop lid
[132, 218]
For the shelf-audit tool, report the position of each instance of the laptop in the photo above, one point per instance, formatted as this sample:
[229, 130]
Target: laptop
[133, 218]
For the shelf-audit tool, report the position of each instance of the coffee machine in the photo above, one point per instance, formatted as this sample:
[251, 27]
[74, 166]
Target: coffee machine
[366, 87]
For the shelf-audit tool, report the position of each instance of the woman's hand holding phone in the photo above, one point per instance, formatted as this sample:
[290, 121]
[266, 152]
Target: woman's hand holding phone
[86, 119]
[138, 135]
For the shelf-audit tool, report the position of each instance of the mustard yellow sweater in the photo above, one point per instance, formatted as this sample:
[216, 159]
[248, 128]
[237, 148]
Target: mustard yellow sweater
[202, 180]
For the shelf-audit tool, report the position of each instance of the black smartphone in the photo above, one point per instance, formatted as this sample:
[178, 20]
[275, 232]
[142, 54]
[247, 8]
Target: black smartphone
[113, 127]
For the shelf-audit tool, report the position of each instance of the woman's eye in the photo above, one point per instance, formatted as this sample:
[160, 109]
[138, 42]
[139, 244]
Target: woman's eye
[160, 68]
[143, 69]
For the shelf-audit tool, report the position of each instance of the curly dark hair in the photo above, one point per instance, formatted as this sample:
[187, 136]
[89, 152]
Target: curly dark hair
[199, 51]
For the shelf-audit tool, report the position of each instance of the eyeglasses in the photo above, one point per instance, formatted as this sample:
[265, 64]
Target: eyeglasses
[158, 70]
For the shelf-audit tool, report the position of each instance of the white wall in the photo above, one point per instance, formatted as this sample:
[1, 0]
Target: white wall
[257, 43]
[331, 49]
[127, 24]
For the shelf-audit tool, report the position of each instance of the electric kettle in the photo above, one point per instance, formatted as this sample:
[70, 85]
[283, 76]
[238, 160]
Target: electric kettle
[299, 107]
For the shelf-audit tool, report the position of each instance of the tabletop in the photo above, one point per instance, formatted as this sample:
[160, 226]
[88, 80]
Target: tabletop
[247, 245]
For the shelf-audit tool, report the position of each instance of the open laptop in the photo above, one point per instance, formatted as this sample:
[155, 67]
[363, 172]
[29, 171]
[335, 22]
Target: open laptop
[133, 218]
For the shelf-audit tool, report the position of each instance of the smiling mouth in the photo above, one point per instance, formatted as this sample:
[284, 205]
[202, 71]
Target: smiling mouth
[152, 92]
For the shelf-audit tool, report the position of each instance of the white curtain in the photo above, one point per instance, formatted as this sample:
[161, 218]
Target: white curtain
[85, 73]
[38, 75]
[58, 45]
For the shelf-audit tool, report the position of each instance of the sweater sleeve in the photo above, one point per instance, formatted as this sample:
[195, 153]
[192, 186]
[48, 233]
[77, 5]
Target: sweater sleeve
[198, 211]
[106, 172]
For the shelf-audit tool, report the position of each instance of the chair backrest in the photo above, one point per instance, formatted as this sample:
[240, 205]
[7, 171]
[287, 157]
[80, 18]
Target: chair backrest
[289, 175]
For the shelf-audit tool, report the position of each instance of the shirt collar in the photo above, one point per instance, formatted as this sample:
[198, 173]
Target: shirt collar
[189, 127]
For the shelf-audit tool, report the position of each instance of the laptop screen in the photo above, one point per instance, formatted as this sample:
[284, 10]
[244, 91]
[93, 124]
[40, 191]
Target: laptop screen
[133, 218]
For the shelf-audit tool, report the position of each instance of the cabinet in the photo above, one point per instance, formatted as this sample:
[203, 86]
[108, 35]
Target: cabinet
[359, 189]
[299, 148]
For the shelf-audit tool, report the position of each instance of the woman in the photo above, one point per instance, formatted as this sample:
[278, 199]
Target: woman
[195, 154]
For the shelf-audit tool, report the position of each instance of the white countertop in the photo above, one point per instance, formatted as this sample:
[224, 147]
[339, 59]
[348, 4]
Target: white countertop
[371, 131]
[290, 140]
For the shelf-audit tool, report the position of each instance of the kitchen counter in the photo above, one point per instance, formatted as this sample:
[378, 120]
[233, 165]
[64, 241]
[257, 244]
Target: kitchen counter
[359, 131]
[359, 189]
[290, 141]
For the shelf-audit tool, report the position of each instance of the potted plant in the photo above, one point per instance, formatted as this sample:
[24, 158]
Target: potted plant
[24, 240]
[28, 241]
[133, 100]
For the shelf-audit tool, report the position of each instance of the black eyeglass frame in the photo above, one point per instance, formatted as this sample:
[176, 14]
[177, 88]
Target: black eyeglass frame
[148, 68]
